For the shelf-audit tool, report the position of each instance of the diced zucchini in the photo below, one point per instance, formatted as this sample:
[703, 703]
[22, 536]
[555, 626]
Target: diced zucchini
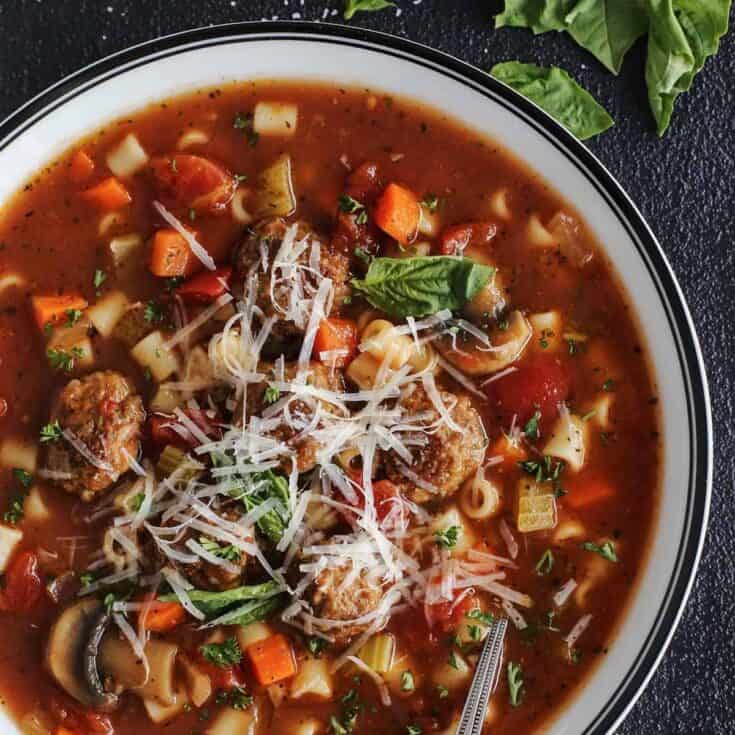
[229, 721]
[172, 458]
[313, 680]
[547, 330]
[16, 453]
[536, 508]
[453, 672]
[151, 353]
[453, 517]
[378, 652]
[127, 157]
[9, 539]
[567, 441]
[274, 195]
[107, 312]
[123, 248]
[275, 118]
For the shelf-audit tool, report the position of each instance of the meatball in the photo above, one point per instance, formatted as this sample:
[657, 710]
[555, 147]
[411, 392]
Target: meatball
[447, 457]
[260, 247]
[306, 448]
[106, 416]
[331, 598]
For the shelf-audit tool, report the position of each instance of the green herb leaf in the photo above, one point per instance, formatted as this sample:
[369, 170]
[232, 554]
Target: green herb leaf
[271, 394]
[483, 617]
[153, 312]
[24, 477]
[51, 432]
[86, 578]
[546, 563]
[365, 6]
[605, 28]
[555, 92]
[423, 285]
[99, 278]
[452, 661]
[531, 429]
[442, 691]
[349, 205]
[413, 730]
[229, 552]
[72, 317]
[408, 683]
[447, 539]
[63, 360]
[606, 550]
[222, 655]
[316, 646]
[431, 202]
[15, 512]
[213, 604]
[609, 385]
[515, 683]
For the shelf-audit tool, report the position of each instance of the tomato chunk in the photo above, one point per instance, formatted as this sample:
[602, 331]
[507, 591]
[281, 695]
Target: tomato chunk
[23, 584]
[72, 717]
[448, 614]
[458, 237]
[541, 386]
[161, 433]
[193, 182]
[206, 287]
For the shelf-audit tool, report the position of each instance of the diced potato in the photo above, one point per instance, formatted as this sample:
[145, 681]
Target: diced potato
[537, 234]
[313, 680]
[166, 399]
[277, 693]
[110, 220]
[471, 631]
[123, 248]
[36, 510]
[569, 529]
[9, 539]
[150, 353]
[395, 680]
[452, 517]
[275, 118]
[536, 509]
[10, 280]
[311, 726]
[132, 326]
[16, 453]
[499, 205]
[595, 571]
[107, 312]
[599, 410]
[127, 157]
[192, 137]
[198, 684]
[454, 674]
[274, 195]
[547, 330]
[430, 222]
[75, 341]
[567, 441]
[230, 721]
[378, 652]
[247, 635]
[160, 713]
[161, 683]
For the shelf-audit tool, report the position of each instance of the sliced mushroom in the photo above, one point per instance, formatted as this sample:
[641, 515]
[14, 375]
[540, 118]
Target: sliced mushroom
[474, 358]
[118, 663]
[72, 650]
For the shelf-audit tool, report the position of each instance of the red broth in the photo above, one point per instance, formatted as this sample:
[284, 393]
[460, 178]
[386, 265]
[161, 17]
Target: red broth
[585, 352]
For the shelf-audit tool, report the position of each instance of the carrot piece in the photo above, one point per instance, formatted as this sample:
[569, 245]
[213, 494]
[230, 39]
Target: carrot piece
[397, 212]
[81, 167]
[171, 255]
[511, 452]
[162, 617]
[588, 493]
[109, 195]
[272, 659]
[51, 309]
[336, 335]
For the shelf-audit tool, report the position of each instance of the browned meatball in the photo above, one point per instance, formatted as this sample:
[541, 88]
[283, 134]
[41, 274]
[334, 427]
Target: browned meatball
[334, 600]
[106, 416]
[267, 238]
[448, 457]
[321, 377]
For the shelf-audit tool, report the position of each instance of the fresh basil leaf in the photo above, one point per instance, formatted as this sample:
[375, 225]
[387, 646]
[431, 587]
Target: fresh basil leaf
[423, 285]
[555, 92]
[251, 612]
[605, 28]
[365, 6]
[213, 603]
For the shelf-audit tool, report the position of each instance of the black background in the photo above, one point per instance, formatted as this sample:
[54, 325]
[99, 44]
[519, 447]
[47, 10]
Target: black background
[683, 184]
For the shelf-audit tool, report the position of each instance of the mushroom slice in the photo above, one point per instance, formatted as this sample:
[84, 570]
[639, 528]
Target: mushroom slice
[118, 661]
[71, 653]
[473, 358]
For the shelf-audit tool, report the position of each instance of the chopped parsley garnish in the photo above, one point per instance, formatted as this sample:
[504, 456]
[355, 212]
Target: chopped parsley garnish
[349, 205]
[24, 477]
[271, 394]
[544, 470]
[447, 539]
[136, 502]
[609, 385]
[362, 217]
[515, 683]
[531, 429]
[363, 255]
[63, 360]
[316, 646]
[414, 730]
[606, 550]
[351, 707]
[442, 691]
[14, 514]
[110, 599]
[51, 432]
[482, 617]
[72, 317]
[452, 661]
[240, 178]
[86, 578]
[545, 335]
[575, 655]
[475, 632]
[245, 123]
[503, 325]
[173, 283]
[222, 655]
[228, 553]
[48, 329]
[431, 202]
[546, 563]
[153, 312]
[99, 278]
[237, 698]
[408, 683]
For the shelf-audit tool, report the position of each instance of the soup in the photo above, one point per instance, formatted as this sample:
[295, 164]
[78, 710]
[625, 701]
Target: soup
[303, 390]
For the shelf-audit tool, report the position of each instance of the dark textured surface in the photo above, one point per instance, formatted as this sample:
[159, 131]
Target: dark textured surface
[683, 185]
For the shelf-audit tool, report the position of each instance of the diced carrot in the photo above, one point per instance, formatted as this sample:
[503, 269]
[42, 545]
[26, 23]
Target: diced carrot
[511, 451]
[109, 195]
[162, 617]
[272, 659]
[52, 309]
[397, 212]
[336, 336]
[588, 493]
[81, 167]
[171, 255]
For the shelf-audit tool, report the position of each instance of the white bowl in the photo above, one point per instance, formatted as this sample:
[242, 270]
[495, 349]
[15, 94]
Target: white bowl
[129, 80]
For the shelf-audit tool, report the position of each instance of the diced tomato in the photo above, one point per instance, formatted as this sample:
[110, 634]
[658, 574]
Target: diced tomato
[81, 167]
[23, 584]
[206, 287]
[458, 237]
[161, 433]
[541, 386]
[447, 615]
[228, 677]
[415, 632]
[72, 717]
[193, 182]
[385, 494]
[336, 335]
